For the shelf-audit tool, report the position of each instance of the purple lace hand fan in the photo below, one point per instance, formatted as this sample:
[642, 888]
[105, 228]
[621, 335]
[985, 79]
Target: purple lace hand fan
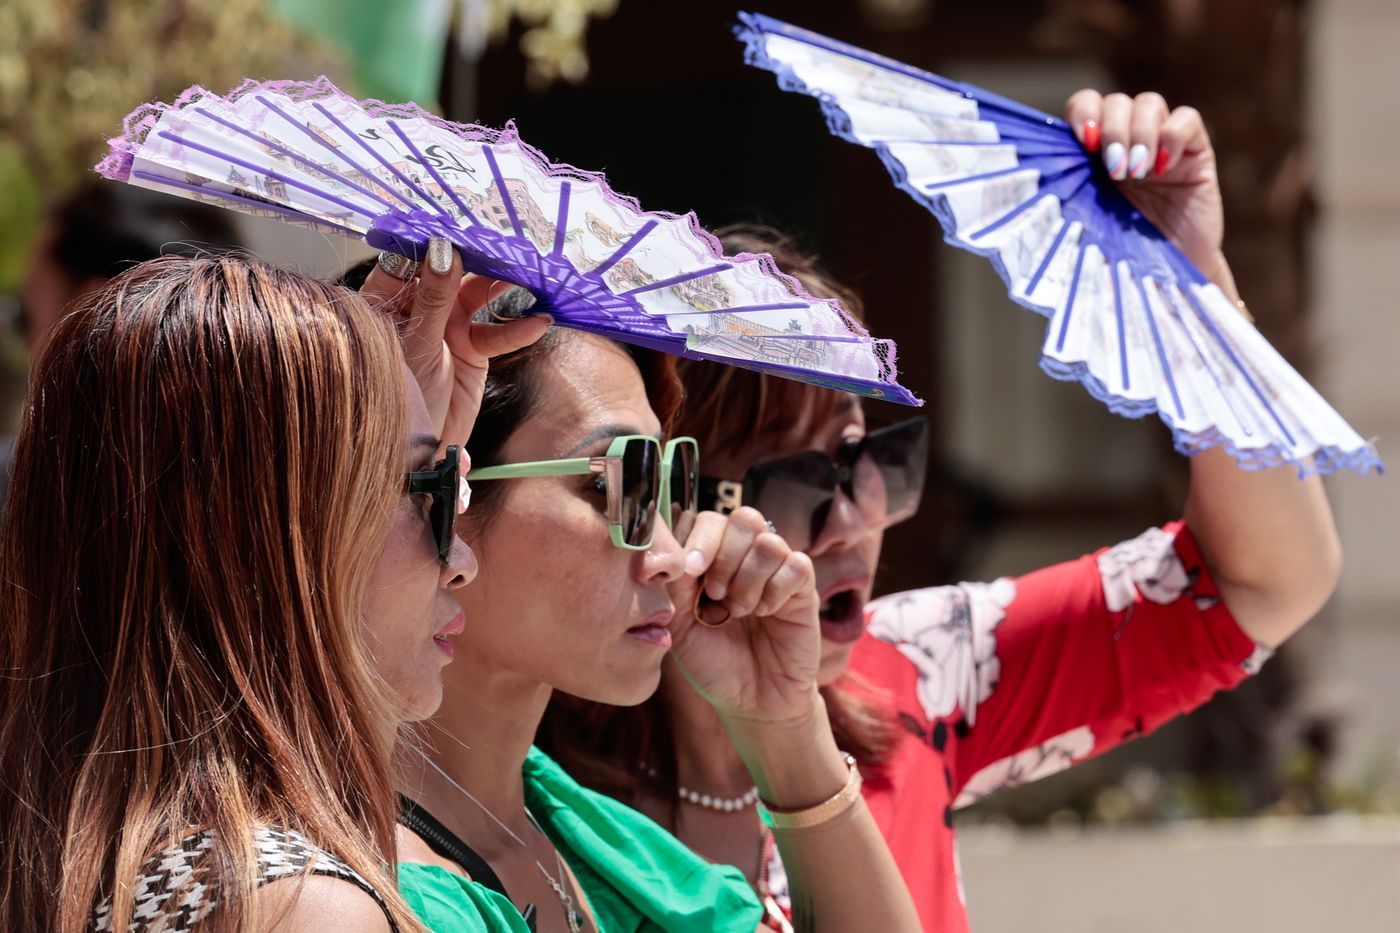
[395, 175]
[1129, 316]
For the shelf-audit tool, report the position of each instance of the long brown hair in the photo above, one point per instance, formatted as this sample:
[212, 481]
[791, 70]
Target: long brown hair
[628, 752]
[209, 455]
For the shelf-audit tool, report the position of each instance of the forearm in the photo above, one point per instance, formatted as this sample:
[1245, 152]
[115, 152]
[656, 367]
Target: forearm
[841, 873]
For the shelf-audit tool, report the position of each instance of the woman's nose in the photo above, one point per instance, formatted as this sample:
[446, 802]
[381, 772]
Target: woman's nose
[844, 527]
[460, 567]
[664, 561]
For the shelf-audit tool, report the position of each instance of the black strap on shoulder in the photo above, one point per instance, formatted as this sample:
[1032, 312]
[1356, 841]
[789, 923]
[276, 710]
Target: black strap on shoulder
[445, 843]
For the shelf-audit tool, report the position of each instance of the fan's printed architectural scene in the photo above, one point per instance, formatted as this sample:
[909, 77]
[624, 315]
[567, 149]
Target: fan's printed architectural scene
[1069, 357]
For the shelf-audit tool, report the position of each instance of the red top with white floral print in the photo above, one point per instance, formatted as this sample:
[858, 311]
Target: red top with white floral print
[1002, 683]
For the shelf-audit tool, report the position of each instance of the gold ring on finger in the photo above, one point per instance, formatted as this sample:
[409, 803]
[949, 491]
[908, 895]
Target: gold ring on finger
[695, 608]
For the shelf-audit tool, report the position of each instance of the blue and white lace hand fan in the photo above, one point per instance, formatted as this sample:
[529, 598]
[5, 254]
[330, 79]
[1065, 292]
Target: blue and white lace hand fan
[394, 175]
[1130, 317]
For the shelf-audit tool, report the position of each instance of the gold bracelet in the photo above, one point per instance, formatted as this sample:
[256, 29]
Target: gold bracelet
[828, 809]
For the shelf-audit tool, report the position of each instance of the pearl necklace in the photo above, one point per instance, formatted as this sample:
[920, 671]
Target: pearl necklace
[713, 801]
[720, 804]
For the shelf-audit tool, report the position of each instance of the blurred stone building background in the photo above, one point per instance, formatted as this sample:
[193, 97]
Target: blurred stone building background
[1300, 99]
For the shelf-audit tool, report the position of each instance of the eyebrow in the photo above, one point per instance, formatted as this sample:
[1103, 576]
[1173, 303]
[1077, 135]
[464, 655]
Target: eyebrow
[608, 432]
[421, 449]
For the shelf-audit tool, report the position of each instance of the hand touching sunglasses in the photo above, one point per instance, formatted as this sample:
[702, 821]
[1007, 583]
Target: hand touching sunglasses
[640, 479]
[882, 473]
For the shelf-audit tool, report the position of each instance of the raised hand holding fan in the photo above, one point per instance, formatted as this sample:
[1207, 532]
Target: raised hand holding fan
[1130, 316]
[396, 175]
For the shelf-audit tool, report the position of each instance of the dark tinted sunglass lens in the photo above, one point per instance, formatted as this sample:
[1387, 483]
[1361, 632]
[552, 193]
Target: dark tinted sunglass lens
[794, 494]
[443, 513]
[685, 488]
[889, 477]
[815, 523]
[641, 468]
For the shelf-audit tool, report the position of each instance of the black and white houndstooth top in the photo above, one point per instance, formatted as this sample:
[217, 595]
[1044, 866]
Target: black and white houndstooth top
[172, 896]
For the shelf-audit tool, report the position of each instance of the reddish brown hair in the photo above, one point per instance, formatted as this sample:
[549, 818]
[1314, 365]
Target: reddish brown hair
[630, 752]
[209, 456]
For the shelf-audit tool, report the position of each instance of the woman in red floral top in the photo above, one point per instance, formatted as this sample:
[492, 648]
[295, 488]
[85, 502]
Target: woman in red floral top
[949, 693]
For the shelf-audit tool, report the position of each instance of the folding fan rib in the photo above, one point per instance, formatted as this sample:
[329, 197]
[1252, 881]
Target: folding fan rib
[297, 157]
[1164, 359]
[207, 190]
[425, 198]
[252, 165]
[333, 151]
[428, 167]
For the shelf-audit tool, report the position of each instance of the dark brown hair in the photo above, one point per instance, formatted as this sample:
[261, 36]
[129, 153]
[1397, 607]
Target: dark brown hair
[630, 752]
[209, 456]
[512, 392]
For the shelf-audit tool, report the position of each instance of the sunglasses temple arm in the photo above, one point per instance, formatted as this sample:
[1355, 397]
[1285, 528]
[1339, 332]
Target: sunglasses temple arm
[576, 467]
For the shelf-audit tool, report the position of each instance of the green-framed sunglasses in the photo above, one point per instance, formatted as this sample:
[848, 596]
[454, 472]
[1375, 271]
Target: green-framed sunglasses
[641, 478]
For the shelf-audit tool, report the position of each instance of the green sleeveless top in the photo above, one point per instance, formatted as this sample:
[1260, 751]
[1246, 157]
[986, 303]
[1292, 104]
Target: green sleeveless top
[636, 876]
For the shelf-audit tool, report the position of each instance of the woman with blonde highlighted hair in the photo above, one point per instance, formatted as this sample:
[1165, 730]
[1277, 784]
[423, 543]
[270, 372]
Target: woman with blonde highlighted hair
[228, 560]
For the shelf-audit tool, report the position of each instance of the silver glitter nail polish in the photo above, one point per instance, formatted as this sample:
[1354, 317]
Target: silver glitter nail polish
[440, 255]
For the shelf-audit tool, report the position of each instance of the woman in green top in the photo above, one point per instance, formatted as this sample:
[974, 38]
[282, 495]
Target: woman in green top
[580, 591]
[633, 874]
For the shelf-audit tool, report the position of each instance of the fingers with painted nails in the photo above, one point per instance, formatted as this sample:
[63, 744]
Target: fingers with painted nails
[1138, 136]
[445, 350]
[1162, 159]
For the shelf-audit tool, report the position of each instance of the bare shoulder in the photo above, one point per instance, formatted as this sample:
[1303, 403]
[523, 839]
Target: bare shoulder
[318, 904]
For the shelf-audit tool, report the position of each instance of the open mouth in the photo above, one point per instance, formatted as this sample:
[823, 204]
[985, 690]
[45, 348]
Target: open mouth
[843, 616]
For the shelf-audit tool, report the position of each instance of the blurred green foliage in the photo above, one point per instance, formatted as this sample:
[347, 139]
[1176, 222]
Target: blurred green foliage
[20, 208]
[70, 70]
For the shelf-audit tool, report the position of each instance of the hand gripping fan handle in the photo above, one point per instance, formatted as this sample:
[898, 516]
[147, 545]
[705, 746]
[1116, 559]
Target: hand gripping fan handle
[393, 233]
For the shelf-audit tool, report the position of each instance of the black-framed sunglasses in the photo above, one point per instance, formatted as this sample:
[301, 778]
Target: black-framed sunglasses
[444, 483]
[882, 473]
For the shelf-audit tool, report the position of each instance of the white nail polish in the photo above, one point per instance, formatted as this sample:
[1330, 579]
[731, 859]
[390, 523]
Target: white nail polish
[440, 255]
[1137, 161]
[1115, 160]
